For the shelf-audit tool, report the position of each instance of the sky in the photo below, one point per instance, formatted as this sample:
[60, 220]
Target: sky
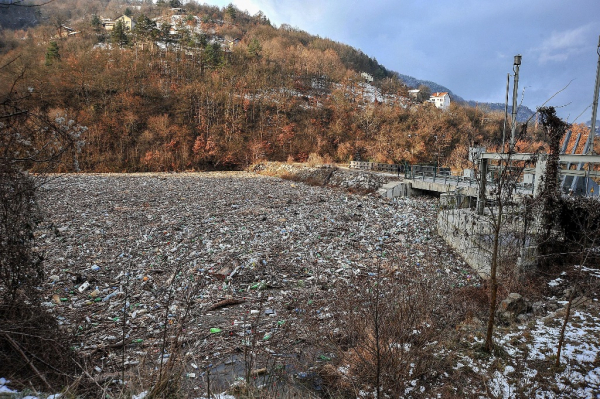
[467, 46]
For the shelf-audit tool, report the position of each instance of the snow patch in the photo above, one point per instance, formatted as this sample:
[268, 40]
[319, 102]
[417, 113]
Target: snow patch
[555, 283]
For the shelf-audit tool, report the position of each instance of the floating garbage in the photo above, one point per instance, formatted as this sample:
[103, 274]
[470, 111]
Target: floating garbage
[148, 248]
[83, 286]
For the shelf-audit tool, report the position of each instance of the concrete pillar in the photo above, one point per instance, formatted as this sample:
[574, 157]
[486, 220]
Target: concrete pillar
[482, 180]
[540, 169]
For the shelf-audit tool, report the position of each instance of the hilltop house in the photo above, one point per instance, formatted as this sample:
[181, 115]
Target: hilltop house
[367, 77]
[128, 22]
[232, 42]
[414, 94]
[65, 31]
[440, 99]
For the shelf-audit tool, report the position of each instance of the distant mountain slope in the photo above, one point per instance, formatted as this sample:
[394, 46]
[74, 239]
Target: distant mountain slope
[523, 113]
[16, 17]
[414, 82]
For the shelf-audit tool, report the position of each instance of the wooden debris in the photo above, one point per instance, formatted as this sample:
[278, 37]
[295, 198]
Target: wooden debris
[225, 303]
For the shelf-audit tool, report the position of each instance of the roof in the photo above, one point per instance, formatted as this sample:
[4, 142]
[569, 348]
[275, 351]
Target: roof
[439, 94]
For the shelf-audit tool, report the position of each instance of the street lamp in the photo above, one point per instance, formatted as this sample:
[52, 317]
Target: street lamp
[437, 154]
[516, 65]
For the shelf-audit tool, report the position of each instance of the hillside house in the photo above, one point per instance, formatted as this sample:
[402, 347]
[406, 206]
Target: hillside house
[107, 23]
[65, 31]
[128, 22]
[232, 42]
[440, 99]
[367, 77]
[414, 94]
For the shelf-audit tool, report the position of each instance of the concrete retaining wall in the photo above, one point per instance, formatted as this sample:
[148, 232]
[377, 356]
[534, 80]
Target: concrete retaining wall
[469, 235]
[472, 235]
[396, 189]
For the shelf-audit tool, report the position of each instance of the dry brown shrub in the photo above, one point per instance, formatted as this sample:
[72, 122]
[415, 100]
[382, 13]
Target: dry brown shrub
[345, 152]
[332, 377]
[389, 329]
[314, 160]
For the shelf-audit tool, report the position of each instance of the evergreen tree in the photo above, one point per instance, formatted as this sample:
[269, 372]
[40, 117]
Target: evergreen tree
[201, 40]
[119, 35]
[231, 11]
[52, 53]
[262, 19]
[213, 55]
[145, 28]
[254, 48]
[96, 23]
[164, 32]
[128, 12]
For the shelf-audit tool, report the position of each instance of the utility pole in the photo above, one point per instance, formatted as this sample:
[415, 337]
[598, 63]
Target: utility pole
[505, 112]
[516, 65]
[595, 106]
[589, 143]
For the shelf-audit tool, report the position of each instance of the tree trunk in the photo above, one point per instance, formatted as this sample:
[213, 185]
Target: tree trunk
[564, 327]
[493, 283]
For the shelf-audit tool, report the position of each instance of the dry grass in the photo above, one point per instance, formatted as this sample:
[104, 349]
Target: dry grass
[314, 160]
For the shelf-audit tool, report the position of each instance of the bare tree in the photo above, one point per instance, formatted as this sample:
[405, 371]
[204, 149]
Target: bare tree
[30, 339]
[386, 329]
[497, 210]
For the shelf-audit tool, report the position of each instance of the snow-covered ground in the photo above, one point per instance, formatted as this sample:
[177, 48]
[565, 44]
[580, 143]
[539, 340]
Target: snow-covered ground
[531, 352]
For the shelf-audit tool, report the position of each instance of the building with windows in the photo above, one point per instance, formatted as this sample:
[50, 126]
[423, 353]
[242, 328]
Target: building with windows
[128, 22]
[414, 94]
[440, 99]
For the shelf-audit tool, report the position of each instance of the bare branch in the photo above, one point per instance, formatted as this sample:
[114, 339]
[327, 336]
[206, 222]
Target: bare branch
[29, 362]
[10, 62]
[551, 97]
[582, 112]
[13, 114]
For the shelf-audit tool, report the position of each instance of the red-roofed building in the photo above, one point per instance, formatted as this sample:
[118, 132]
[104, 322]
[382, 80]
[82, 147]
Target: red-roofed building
[440, 100]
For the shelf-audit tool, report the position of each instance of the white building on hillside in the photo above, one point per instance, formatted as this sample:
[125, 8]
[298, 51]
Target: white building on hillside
[367, 77]
[440, 100]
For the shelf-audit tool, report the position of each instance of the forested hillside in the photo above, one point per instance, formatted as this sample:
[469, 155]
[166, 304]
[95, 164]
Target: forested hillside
[205, 88]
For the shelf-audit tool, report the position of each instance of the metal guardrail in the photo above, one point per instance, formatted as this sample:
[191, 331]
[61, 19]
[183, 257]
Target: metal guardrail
[383, 167]
[443, 175]
[416, 171]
